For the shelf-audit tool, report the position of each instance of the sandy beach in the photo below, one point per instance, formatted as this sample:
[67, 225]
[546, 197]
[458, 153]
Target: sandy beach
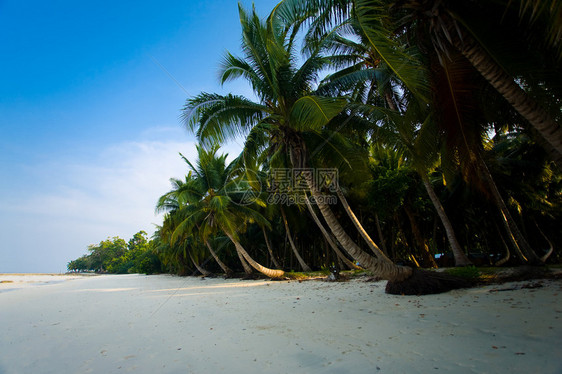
[167, 324]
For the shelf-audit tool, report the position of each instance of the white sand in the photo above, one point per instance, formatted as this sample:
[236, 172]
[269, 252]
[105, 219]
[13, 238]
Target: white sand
[166, 324]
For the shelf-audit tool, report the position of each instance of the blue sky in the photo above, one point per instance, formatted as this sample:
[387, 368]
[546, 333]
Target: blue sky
[89, 116]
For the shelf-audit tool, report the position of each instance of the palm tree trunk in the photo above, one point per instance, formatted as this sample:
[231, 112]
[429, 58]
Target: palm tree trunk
[522, 247]
[303, 264]
[376, 250]
[401, 279]
[275, 262]
[428, 259]
[548, 253]
[550, 250]
[379, 231]
[200, 268]
[333, 245]
[511, 237]
[381, 267]
[460, 257]
[512, 92]
[223, 266]
[271, 273]
[507, 256]
[247, 268]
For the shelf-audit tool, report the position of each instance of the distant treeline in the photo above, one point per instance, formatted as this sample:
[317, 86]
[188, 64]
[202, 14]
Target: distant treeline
[117, 256]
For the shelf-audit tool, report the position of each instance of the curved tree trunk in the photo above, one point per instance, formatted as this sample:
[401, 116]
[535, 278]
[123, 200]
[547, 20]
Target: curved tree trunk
[379, 231]
[382, 267]
[550, 250]
[200, 268]
[247, 268]
[507, 256]
[223, 266]
[401, 279]
[275, 262]
[522, 247]
[271, 273]
[548, 253]
[511, 237]
[376, 250]
[303, 264]
[428, 259]
[460, 257]
[333, 245]
[512, 92]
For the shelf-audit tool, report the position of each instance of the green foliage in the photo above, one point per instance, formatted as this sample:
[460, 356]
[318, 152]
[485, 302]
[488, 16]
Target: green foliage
[388, 189]
[471, 273]
[80, 264]
[119, 257]
[397, 96]
[295, 275]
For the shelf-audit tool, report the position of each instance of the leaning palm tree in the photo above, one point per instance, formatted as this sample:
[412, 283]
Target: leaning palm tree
[261, 180]
[455, 26]
[524, 71]
[218, 208]
[172, 254]
[450, 36]
[376, 88]
[289, 117]
[185, 192]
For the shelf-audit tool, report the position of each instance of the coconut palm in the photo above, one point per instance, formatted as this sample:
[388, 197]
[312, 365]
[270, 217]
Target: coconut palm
[173, 254]
[450, 36]
[218, 207]
[183, 192]
[456, 26]
[514, 45]
[288, 116]
[374, 84]
[515, 163]
[261, 177]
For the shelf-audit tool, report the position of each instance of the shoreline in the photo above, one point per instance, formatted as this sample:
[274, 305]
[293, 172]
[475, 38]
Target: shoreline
[170, 324]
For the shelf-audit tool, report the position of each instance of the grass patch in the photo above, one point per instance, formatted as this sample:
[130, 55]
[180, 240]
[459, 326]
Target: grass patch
[470, 273]
[297, 275]
[357, 272]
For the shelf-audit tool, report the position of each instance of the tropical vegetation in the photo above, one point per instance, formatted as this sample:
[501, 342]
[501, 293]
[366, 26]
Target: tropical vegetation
[384, 135]
[115, 255]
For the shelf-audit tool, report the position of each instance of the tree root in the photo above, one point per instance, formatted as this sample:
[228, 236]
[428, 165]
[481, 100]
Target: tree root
[423, 282]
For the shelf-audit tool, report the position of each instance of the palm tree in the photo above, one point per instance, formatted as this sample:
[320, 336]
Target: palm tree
[515, 161]
[303, 264]
[452, 37]
[261, 176]
[217, 208]
[328, 238]
[288, 115]
[374, 84]
[172, 254]
[453, 26]
[184, 245]
[524, 35]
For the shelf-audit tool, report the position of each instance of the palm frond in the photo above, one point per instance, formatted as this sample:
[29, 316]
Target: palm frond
[372, 19]
[314, 112]
[218, 117]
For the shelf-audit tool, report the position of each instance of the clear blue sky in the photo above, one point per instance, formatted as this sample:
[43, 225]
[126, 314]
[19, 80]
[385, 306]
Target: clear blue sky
[89, 116]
